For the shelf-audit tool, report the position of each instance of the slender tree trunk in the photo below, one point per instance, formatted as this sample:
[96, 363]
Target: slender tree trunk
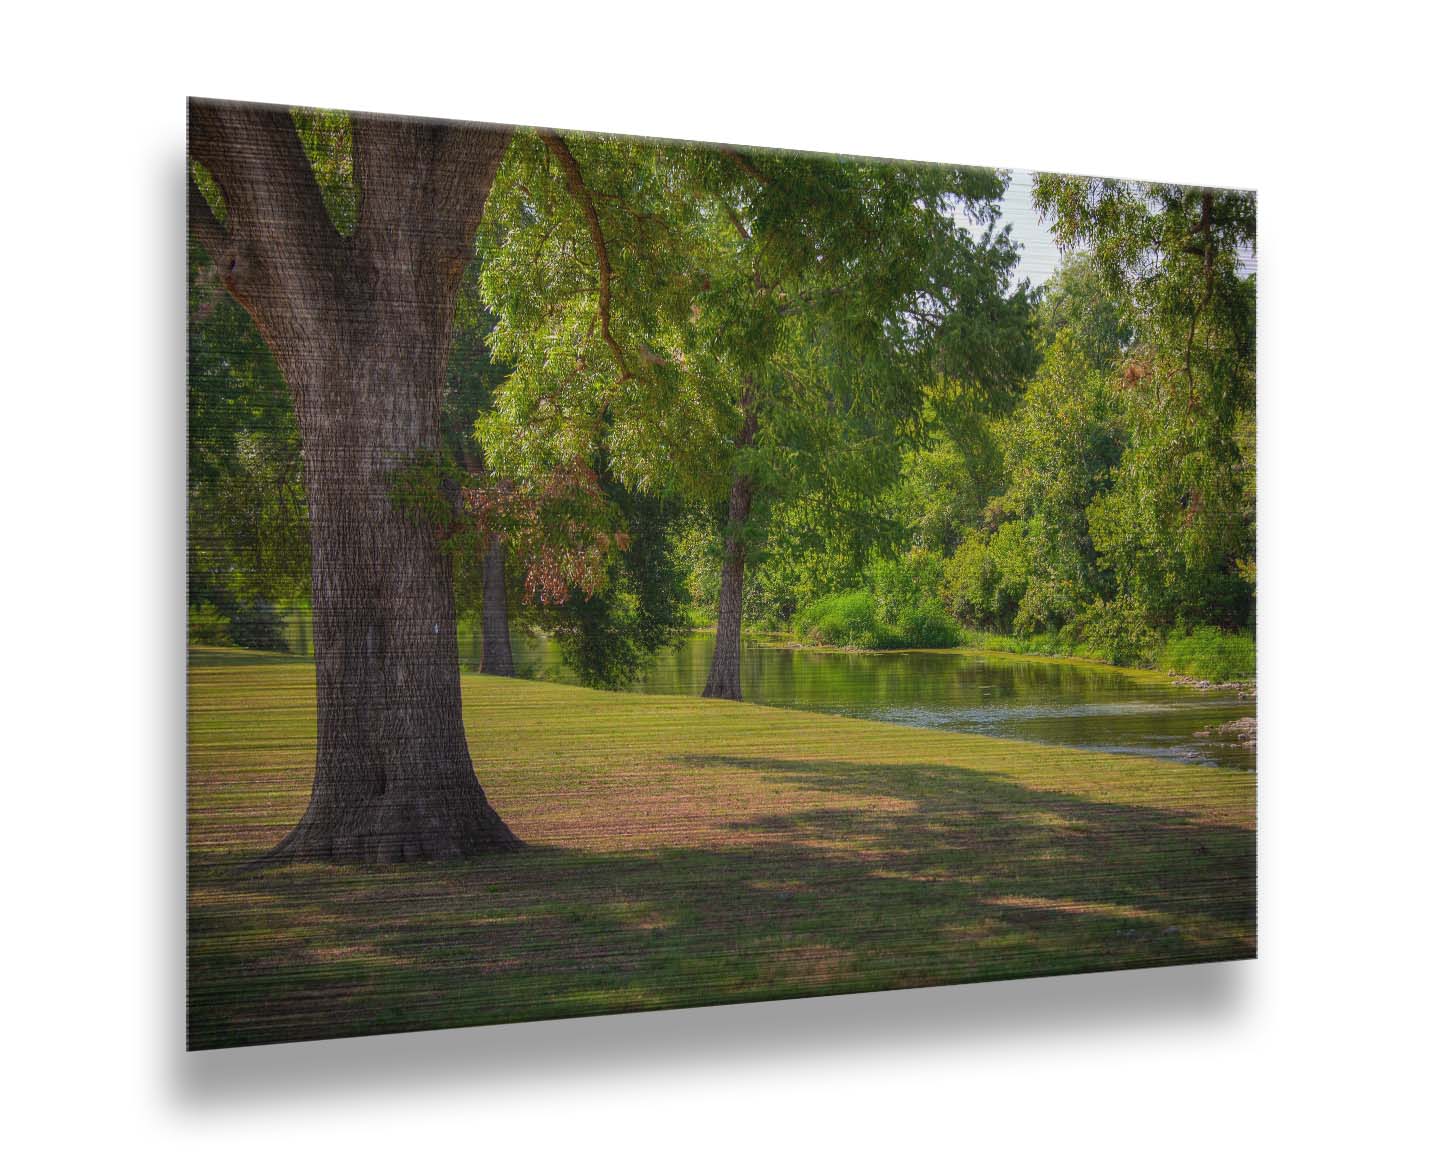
[724, 679]
[496, 659]
[360, 327]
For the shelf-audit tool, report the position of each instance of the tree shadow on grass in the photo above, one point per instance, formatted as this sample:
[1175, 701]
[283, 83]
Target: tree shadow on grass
[874, 876]
[1050, 857]
[998, 834]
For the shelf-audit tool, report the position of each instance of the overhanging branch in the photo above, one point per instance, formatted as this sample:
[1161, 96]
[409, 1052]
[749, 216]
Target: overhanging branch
[575, 182]
[274, 210]
[745, 164]
[204, 227]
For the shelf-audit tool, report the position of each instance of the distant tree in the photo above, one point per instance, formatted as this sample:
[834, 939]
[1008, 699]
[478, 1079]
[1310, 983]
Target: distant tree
[610, 624]
[483, 586]
[1060, 448]
[748, 332]
[1177, 526]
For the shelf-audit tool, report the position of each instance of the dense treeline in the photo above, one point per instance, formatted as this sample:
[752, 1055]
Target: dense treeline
[686, 382]
[1111, 512]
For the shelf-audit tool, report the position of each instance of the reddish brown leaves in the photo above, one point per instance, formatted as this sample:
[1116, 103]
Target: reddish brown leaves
[561, 529]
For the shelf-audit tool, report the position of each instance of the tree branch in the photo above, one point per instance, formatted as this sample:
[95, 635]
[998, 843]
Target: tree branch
[277, 230]
[735, 220]
[467, 160]
[575, 182]
[745, 164]
[468, 156]
[809, 299]
[208, 232]
[254, 154]
[409, 170]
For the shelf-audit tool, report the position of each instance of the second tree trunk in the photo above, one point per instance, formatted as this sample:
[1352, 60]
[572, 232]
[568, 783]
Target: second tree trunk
[496, 658]
[724, 680]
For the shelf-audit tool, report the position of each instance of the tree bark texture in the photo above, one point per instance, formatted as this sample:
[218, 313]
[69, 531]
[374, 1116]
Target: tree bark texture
[495, 658]
[360, 327]
[724, 679]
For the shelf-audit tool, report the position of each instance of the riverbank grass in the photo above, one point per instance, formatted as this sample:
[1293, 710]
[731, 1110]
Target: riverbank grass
[1202, 653]
[687, 851]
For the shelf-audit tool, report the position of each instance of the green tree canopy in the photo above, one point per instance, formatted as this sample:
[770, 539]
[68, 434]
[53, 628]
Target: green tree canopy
[766, 328]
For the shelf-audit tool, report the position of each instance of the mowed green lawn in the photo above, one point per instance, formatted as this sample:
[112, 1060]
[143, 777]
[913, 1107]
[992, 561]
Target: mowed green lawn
[687, 851]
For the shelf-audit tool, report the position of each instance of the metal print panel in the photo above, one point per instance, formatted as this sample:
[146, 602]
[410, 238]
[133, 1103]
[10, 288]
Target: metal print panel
[629, 574]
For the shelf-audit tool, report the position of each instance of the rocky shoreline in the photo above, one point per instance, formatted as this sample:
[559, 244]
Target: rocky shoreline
[1245, 689]
[1242, 731]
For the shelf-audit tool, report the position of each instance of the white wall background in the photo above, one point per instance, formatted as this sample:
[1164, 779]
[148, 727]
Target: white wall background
[1327, 1039]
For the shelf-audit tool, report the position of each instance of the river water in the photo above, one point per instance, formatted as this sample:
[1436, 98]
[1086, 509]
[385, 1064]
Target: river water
[1072, 703]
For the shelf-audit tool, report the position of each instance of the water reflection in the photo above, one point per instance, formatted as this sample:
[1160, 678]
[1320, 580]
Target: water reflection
[1050, 702]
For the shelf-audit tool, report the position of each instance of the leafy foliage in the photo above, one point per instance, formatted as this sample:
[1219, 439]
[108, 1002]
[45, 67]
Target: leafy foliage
[248, 543]
[1177, 529]
[609, 638]
[1116, 501]
[1074, 468]
[325, 137]
[653, 297]
[845, 619]
[897, 608]
[562, 526]
[1209, 654]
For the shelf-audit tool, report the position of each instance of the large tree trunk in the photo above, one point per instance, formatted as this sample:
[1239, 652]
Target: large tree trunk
[393, 778]
[496, 658]
[360, 327]
[724, 679]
